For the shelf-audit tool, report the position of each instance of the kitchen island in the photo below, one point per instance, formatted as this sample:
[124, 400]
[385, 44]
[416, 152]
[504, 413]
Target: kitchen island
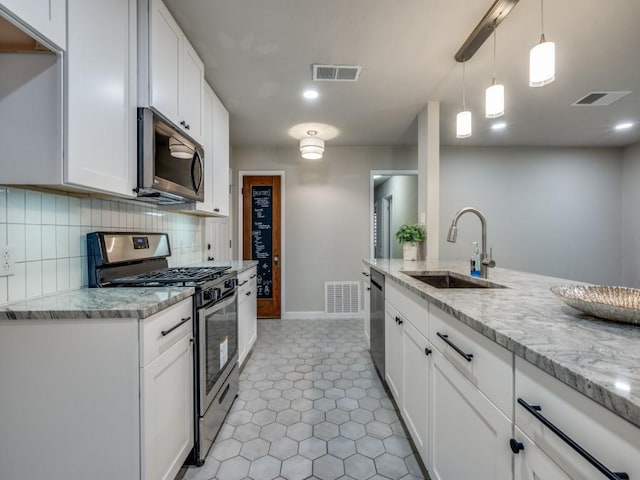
[525, 340]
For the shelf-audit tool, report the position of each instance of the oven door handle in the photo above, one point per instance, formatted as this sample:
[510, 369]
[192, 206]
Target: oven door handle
[224, 301]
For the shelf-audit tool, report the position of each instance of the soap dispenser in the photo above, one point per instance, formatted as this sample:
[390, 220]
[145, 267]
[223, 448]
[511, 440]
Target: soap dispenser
[475, 261]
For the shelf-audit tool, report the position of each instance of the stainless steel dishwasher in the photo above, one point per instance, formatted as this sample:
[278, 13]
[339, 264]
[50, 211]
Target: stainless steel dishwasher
[376, 321]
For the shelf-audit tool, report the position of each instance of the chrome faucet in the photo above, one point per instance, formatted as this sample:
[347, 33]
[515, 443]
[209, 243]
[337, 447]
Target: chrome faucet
[485, 262]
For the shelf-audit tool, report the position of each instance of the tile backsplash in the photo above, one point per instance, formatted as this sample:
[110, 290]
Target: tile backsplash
[48, 234]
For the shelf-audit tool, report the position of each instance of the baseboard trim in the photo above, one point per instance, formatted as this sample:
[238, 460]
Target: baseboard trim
[319, 315]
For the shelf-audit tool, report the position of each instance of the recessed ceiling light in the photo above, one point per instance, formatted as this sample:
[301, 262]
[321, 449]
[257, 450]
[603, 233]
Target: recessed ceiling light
[499, 126]
[310, 94]
[624, 126]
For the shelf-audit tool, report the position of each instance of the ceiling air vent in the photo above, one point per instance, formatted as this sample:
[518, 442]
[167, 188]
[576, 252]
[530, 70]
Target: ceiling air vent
[336, 73]
[599, 99]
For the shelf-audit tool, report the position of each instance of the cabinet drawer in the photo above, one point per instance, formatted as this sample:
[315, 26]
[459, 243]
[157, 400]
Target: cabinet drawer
[487, 365]
[246, 283]
[410, 306]
[611, 440]
[157, 333]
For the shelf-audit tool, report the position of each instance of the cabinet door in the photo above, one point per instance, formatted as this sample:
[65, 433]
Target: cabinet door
[220, 158]
[164, 58]
[532, 464]
[190, 91]
[415, 398]
[167, 411]
[393, 351]
[101, 96]
[469, 435]
[45, 17]
[207, 143]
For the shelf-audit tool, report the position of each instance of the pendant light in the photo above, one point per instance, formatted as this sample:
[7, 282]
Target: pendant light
[542, 59]
[494, 95]
[463, 119]
[311, 147]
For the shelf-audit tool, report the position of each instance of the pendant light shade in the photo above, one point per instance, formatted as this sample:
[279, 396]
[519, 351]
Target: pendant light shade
[311, 147]
[494, 101]
[542, 64]
[542, 59]
[463, 124]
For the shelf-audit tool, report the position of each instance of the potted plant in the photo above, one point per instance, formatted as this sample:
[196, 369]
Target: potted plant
[409, 236]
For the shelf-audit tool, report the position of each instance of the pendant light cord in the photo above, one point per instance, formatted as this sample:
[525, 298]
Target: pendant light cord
[542, 40]
[463, 89]
[494, 53]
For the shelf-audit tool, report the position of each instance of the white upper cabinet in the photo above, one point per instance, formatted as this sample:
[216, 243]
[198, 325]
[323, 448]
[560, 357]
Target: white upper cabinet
[171, 73]
[45, 17]
[220, 154]
[101, 96]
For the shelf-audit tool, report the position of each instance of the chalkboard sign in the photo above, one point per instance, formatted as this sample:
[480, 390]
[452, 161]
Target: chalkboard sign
[262, 236]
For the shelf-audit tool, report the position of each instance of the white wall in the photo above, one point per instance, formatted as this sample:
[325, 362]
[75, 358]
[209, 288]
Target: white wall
[48, 232]
[554, 211]
[404, 191]
[326, 212]
[631, 216]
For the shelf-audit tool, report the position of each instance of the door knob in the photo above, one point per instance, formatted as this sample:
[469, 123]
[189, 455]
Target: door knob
[276, 260]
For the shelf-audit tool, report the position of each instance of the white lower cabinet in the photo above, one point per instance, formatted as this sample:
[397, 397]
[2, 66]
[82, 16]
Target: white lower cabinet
[393, 326]
[532, 464]
[167, 411]
[99, 398]
[247, 312]
[612, 441]
[417, 353]
[470, 435]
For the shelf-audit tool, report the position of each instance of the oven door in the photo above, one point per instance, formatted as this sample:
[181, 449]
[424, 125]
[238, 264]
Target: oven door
[218, 346]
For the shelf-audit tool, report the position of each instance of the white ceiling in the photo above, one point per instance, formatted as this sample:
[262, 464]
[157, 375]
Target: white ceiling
[258, 56]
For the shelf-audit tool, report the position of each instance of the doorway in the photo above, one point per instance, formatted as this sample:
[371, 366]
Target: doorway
[393, 202]
[261, 236]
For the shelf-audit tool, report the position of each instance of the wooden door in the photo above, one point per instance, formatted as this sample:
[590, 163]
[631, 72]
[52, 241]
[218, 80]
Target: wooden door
[261, 238]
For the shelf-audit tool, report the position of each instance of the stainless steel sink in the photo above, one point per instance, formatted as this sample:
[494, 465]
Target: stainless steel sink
[451, 280]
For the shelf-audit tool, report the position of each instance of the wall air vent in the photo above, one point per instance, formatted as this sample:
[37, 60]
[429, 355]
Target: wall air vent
[599, 99]
[341, 298]
[336, 73]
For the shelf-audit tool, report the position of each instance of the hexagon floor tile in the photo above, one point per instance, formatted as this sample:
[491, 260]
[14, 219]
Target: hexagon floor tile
[311, 407]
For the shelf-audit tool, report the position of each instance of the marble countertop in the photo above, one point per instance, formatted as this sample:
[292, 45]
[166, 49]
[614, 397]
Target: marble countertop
[97, 303]
[598, 358]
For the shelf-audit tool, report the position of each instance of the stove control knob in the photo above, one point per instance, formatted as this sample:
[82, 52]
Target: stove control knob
[230, 283]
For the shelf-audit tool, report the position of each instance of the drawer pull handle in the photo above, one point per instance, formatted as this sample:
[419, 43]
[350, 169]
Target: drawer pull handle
[368, 289]
[399, 321]
[427, 351]
[177, 325]
[246, 281]
[535, 411]
[248, 293]
[253, 276]
[365, 274]
[467, 356]
[516, 446]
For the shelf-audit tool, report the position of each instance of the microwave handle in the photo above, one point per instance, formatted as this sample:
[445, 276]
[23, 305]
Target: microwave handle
[196, 158]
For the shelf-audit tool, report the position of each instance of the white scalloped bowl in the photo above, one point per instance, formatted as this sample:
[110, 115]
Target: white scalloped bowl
[621, 304]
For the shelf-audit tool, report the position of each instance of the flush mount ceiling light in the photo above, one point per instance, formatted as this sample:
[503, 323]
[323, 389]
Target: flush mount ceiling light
[494, 95]
[463, 119]
[542, 58]
[310, 94]
[311, 147]
[179, 149]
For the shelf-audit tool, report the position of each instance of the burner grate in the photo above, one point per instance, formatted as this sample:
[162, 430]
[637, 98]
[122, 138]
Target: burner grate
[173, 275]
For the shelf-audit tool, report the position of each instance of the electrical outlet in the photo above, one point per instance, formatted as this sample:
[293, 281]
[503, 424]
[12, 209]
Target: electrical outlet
[7, 262]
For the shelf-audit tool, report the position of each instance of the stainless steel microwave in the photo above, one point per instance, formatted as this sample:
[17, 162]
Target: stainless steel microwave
[170, 163]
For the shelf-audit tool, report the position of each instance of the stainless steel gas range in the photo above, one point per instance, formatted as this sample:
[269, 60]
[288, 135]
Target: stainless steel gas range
[140, 260]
